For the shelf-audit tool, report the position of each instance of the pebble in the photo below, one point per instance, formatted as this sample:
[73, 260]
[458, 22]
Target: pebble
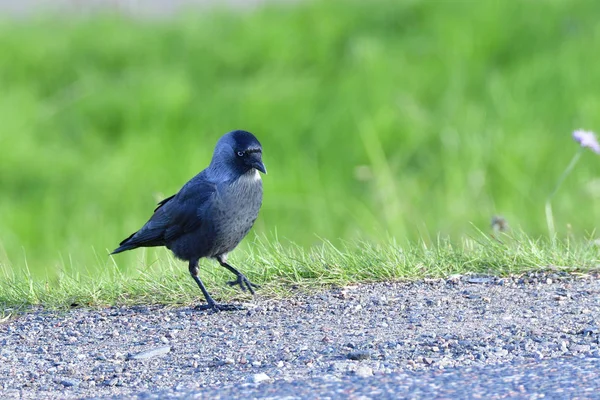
[260, 377]
[590, 330]
[70, 382]
[340, 366]
[150, 353]
[363, 371]
[475, 279]
[359, 355]
[563, 346]
[580, 348]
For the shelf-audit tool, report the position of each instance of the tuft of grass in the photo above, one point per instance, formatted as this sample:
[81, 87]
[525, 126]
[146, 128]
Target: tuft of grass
[284, 269]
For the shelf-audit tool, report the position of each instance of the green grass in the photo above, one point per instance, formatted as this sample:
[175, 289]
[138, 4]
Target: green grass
[412, 120]
[282, 270]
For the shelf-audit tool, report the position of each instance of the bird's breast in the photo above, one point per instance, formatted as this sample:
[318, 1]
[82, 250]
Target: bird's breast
[235, 211]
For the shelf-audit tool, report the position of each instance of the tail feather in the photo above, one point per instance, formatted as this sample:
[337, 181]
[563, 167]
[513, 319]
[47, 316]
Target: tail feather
[125, 245]
[145, 237]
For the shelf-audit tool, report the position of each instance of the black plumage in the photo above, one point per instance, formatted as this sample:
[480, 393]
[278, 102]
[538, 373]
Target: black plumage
[211, 213]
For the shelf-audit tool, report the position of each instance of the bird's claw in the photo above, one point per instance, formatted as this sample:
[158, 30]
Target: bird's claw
[244, 284]
[214, 307]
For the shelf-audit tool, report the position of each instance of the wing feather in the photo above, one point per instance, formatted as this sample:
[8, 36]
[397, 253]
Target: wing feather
[174, 216]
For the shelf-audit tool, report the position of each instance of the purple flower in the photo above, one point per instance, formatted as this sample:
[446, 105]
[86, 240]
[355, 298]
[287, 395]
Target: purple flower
[587, 139]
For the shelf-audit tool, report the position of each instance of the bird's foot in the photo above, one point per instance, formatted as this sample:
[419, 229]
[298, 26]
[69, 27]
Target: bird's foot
[244, 283]
[214, 307]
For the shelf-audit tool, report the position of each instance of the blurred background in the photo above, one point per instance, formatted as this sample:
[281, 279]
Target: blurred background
[406, 119]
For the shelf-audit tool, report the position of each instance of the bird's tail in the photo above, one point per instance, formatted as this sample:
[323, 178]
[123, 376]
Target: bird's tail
[126, 244]
[145, 237]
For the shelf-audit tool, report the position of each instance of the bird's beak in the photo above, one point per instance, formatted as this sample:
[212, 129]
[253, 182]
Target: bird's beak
[255, 161]
[260, 166]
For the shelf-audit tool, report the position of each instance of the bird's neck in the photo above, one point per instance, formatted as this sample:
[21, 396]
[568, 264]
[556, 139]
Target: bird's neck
[253, 175]
[218, 172]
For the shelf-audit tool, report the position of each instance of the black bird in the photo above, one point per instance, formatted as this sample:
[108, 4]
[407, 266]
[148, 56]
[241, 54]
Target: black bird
[211, 213]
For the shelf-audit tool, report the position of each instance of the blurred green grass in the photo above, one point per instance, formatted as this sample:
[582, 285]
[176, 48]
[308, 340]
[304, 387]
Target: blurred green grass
[380, 119]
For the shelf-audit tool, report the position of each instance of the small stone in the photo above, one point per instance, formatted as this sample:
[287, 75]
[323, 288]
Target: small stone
[70, 382]
[164, 340]
[340, 366]
[580, 348]
[443, 362]
[280, 364]
[359, 355]
[501, 352]
[150, 353]
[470, 295]
[477, 279]
[363, 371]
[563, 346]
[379, 301]
[111, 382]
[256, 363]
[261, 377]
[171, 334]
[590, 330]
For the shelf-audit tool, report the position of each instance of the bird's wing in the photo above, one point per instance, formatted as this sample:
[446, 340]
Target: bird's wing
[163, 202]
[183, 213]
[175, 216]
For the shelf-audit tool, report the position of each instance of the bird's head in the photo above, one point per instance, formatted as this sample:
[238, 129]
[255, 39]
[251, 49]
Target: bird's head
[238, 152]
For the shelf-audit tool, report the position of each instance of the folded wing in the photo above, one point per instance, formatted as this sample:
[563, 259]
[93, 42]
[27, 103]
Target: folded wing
[175, 216]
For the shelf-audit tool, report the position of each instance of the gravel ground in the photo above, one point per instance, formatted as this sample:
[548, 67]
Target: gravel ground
[412, 337]
[556, 378]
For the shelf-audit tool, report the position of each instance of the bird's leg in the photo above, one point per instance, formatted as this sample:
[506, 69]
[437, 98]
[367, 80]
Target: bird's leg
[210, 303]
[243, 282]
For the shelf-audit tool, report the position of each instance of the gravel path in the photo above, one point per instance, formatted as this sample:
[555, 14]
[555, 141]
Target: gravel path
[556, 378]
[421, 337]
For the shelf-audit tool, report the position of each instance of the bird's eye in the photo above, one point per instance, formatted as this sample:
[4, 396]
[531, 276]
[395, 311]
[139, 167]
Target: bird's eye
[241, 154]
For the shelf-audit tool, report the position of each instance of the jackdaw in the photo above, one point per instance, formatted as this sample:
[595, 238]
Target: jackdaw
[211, 213]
